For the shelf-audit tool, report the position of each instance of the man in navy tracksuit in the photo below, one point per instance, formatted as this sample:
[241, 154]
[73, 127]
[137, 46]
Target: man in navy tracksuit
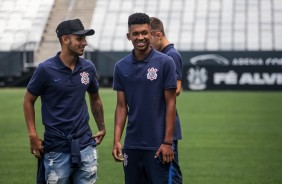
[69, 149]
[145, 82]
[161, 43]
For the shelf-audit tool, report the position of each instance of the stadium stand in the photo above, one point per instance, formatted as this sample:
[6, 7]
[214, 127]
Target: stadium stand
[197, 25]
[27, 34]
[62, 10]
[190, 24]
[22, 21]
[22, 24]
[27, 27]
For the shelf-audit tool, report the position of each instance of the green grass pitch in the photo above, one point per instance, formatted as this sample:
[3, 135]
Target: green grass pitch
[228, 138]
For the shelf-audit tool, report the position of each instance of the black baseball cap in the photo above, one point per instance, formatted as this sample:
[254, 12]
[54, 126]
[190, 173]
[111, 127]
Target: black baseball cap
[73, 27]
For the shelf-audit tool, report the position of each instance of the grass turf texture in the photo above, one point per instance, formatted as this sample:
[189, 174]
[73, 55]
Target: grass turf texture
[228, 138]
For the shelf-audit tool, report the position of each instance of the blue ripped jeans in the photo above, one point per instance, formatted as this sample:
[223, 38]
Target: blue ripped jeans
[58, 167]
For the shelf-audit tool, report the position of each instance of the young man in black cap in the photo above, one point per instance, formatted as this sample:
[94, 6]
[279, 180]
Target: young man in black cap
[69, 149]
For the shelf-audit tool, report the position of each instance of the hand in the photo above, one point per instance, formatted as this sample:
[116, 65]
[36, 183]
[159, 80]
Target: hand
[117, 153]
[36, 147]
[166, 152]
[99, 136]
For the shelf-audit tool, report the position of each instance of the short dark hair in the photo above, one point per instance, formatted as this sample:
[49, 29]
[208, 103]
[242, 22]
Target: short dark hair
[157, 25]
[138, 18]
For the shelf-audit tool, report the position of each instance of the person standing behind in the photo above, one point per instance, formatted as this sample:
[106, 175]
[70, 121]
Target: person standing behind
[161, 43]
[145, 82]
[69, 149]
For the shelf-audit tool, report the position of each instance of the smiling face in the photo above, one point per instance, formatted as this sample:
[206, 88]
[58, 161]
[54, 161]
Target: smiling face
[75, 44]
[140, 35]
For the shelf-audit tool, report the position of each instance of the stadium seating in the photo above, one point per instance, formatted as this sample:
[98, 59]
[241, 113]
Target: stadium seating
[194, 24]
[22, 21]
[190, 24]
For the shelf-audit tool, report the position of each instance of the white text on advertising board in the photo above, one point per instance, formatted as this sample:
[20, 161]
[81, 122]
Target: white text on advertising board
[232, 78]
